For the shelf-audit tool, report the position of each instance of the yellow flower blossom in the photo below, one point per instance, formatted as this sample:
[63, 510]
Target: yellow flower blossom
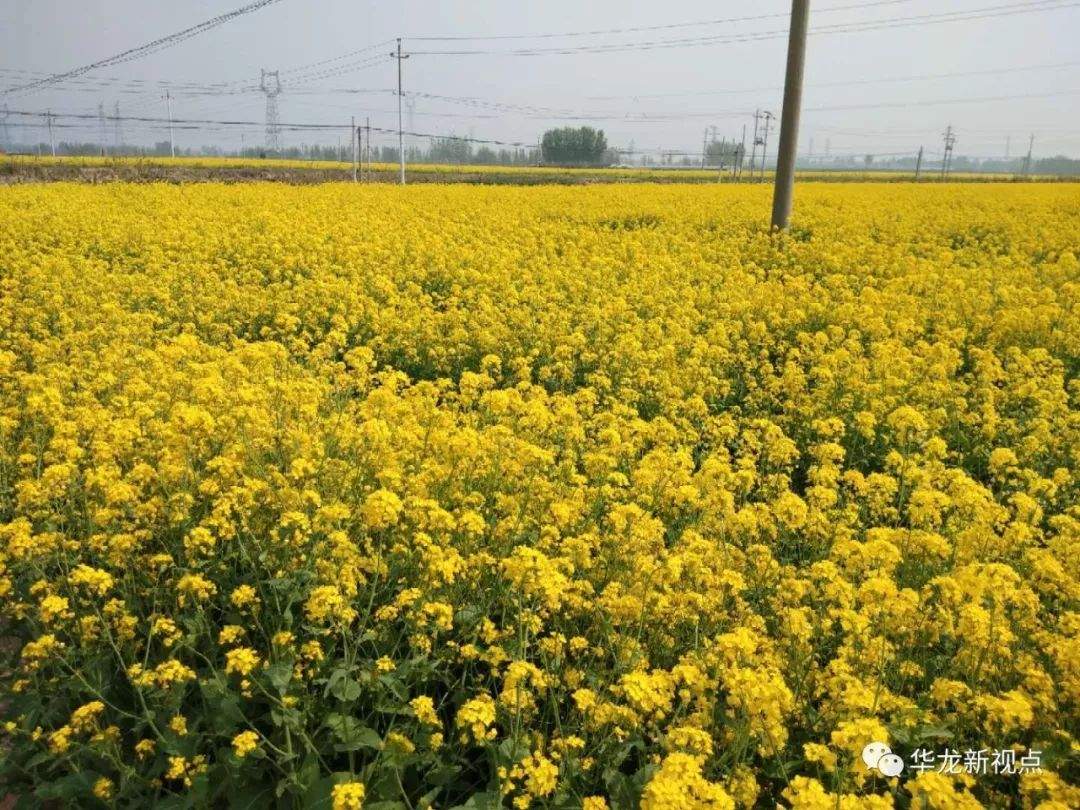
[241, 661]
[244, 743]
[348, 796]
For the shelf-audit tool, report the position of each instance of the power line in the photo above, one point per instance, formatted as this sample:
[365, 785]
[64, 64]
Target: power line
[934, 102]
[349, 67]
[188, 122]
[303, 72]
[723, 39]
[308, 66]
[663, 117]
[475, 101]
[143, 50]
[638, 28]
[95, 84]
[194, 89]
[846, 83]
[641, 118]
[234, 129]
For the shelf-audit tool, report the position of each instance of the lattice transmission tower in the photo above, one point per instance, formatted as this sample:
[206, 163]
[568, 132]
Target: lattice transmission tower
[950, 145]
[270, 84]
[102, 128]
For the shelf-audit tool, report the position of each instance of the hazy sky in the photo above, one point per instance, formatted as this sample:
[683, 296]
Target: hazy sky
[659, 97]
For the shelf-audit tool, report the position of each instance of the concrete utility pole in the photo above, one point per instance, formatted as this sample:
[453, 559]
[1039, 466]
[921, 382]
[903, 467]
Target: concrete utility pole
[168, 108]
[400, 133]
[367, 146]
[742, 151]
[52, 141]
[1027, 159]
[918, 164]
[118, 132]
[102, 127]
[354, 137]
[789, 115]
[754, 145]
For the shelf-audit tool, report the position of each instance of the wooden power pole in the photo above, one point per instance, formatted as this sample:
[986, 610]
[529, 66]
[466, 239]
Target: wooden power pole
[789, 116]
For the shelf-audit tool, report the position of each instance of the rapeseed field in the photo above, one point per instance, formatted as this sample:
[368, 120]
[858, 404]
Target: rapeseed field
[597, 497]
[28, 167]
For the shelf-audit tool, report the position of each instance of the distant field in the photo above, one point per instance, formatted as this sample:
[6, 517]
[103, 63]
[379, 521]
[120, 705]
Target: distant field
[25, 168]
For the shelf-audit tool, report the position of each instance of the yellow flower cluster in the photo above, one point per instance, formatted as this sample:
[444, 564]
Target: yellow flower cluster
[348, 796]
[551, 497]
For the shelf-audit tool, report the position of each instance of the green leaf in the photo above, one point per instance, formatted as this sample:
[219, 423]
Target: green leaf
[443, 776]
[279, 675]
[222, 708]
[352, 734]
[395, 686]
[428, 799]
[39, 759]
[345, 689]
[251, 797]
[73, 786]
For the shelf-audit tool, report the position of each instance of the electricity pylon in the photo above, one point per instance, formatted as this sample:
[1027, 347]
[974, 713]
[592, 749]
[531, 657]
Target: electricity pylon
[272, 89]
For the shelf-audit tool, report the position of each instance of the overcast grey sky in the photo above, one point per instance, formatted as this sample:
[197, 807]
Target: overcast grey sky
[660, 97]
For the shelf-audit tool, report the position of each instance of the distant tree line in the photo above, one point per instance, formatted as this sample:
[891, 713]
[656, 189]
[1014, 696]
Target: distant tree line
[568, 146]
[1058, 165]
[440, 150]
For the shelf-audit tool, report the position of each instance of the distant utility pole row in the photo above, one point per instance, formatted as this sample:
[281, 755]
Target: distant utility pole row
[949, 148]
[361, 151]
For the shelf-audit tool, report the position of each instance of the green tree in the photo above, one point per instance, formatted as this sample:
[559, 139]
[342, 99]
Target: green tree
[573, 146]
